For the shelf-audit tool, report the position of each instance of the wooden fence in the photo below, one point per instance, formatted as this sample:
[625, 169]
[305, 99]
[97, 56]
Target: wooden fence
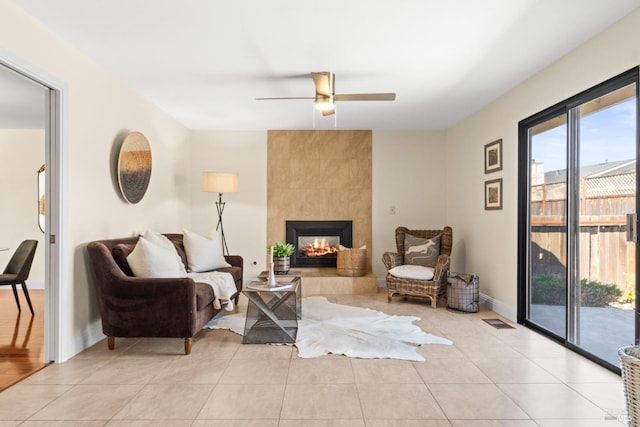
[604, 254]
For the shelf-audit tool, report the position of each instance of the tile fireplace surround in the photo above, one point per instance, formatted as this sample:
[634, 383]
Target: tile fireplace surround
[321, 175]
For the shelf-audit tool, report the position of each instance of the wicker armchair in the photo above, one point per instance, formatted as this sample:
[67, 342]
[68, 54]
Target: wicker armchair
[432, 289]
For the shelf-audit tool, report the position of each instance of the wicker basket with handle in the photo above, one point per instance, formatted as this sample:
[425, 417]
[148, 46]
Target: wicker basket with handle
[352, 262]
[630, 366]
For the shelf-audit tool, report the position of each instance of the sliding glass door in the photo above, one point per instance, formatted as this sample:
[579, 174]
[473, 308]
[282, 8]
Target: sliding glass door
[577, 227]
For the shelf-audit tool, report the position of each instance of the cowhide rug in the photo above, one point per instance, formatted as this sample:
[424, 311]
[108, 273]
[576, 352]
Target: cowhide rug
[326, 327]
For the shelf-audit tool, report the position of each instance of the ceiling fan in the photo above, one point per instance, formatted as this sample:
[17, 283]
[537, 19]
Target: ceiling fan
[326, 96]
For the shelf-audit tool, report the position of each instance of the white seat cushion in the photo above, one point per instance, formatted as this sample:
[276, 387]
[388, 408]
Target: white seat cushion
[414, 272]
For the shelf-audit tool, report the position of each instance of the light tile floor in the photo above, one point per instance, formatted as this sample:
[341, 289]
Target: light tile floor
[487, 378]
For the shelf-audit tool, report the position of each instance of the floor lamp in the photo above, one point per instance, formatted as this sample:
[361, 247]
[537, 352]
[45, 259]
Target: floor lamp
[220, 182]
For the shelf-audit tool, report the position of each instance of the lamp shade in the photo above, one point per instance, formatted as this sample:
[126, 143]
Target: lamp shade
[219, 182]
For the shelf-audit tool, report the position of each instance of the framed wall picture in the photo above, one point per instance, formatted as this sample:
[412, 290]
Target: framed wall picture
[493, 156]
[493, 194]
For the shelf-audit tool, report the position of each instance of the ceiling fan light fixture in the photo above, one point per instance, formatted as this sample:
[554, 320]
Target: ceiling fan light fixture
[324, 102]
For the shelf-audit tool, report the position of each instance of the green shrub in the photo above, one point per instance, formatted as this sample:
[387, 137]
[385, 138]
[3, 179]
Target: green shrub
[549, 289]
[596, 294]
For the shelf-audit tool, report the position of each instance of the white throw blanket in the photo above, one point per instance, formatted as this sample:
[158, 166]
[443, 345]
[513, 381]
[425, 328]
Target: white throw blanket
[223, 286]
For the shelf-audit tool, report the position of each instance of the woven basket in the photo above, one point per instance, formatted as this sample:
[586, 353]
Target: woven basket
[630, 366]
[352, 262]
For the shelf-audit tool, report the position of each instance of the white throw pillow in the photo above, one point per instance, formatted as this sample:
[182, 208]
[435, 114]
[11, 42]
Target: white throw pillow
[157, 238]
[419, 251]
[415, 272]
[151, 260]
[162, 240]
[203, 253]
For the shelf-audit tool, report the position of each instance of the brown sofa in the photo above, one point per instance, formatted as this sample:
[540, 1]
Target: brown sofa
[151, 307]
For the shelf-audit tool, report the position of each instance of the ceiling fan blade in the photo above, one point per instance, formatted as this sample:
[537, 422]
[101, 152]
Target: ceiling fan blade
[286, 97]
[324, 82]
[366, 97]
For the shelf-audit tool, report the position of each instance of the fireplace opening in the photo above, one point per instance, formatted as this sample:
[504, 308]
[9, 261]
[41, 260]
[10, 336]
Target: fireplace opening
[317, 242]
[311, 246]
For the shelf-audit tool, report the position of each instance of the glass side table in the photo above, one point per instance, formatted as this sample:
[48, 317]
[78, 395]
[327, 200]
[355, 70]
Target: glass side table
[272, 315]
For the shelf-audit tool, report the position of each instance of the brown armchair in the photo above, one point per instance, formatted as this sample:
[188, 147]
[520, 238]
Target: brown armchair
[432, 289]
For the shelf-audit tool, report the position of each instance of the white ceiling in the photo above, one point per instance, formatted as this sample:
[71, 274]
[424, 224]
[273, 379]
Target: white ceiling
[205, 61]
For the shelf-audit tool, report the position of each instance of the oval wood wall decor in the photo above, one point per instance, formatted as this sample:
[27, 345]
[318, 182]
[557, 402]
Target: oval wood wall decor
[134, 167]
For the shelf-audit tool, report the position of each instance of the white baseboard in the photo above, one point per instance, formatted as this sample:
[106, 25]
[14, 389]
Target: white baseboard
[499, 307]
[85, 340]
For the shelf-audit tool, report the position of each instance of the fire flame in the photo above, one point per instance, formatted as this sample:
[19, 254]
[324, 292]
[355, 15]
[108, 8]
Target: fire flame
[319, 247]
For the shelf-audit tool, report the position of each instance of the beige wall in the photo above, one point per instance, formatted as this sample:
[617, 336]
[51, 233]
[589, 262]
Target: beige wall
[100, 111]
[485, 242]
[408, 174]
[21, 155]
[245, 213]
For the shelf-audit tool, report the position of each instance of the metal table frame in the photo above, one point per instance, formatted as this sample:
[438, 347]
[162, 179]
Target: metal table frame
[272, 316]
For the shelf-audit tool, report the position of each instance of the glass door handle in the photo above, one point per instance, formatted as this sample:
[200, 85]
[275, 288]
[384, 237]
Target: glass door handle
[632, 231]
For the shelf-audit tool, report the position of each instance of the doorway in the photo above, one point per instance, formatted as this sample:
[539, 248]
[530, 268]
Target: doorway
[50, 105]
[577, 220]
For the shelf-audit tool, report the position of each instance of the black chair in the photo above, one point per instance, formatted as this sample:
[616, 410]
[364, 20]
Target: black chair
[18, 268]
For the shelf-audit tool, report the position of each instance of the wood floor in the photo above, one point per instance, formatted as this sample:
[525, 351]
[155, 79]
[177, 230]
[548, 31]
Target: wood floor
[21, 336]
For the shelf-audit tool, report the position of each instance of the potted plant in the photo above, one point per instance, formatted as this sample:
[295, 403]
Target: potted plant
[281, 253]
